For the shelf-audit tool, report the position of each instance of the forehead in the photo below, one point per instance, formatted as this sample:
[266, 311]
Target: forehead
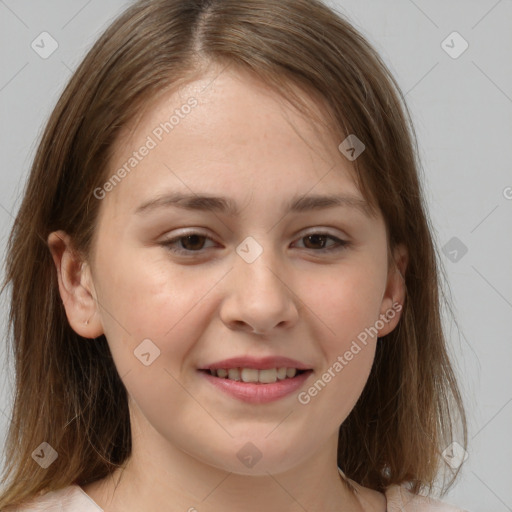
[227, 133]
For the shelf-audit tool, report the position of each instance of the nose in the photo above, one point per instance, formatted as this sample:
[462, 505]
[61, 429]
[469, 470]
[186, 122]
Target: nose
[260, 296]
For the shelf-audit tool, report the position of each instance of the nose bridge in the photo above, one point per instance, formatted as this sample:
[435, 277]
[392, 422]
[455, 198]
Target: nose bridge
[258, 266]
[259, 295]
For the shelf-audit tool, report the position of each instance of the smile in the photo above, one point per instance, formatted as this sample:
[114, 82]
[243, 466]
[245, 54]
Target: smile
[256, 386]
[266, 376]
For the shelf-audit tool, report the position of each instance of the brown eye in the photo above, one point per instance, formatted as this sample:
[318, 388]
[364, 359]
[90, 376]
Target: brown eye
[188, 244]
[183, 244]
[192, 242]
[318, 242]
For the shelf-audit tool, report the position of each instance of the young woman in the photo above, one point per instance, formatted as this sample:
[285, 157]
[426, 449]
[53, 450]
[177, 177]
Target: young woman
[225, 293]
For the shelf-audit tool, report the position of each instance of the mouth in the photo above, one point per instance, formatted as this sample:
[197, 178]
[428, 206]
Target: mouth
[256, 380]
[255, 375]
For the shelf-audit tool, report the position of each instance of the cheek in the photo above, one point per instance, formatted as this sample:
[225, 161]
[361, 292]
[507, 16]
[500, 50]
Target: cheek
[143, 297]
[348, 309]
[348, 301]
[348, 305]
[150, 313]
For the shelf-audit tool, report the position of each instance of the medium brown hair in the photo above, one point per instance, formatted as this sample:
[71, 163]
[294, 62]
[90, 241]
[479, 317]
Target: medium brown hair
[67, 389]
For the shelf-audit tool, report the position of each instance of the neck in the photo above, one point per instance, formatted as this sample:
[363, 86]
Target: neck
[160, 476]
[217, 490]
[146, 483]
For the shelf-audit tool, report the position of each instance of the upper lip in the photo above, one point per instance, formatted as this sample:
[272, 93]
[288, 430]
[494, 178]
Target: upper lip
[263, 363]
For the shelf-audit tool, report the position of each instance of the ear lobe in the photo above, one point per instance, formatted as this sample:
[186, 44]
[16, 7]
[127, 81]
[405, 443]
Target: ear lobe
[75, 286]
[394, 296]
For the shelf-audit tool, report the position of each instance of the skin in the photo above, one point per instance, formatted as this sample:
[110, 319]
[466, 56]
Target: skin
[242, 141]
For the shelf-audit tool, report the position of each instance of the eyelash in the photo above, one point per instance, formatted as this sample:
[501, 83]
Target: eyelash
[341, 244]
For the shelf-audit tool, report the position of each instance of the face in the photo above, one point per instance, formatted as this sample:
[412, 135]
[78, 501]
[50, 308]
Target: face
[259, 274]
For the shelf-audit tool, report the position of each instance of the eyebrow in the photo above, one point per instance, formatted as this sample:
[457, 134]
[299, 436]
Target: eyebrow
[225, 205]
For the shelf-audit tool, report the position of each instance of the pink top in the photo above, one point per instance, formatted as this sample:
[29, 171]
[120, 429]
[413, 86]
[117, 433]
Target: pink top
[74, 499]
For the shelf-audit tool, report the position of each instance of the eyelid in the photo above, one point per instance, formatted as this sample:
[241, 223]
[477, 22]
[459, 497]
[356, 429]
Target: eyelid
[340, 243]
[168, 241]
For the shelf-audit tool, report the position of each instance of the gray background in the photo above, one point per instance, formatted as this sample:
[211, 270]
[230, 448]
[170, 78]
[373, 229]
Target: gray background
[462, 108]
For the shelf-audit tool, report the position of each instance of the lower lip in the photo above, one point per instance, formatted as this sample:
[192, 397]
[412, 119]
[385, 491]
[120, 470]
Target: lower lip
[258, 393]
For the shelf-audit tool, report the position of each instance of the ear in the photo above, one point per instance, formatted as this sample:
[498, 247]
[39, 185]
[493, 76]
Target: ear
[394, 295]
[75, 286]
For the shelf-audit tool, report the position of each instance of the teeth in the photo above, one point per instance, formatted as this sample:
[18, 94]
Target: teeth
[281, 373]
[290, 372]
[267, 376]
[234, 374]
[248, 375]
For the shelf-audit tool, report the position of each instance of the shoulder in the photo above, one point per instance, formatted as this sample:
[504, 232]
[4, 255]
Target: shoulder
[67, 499]
[400, 499]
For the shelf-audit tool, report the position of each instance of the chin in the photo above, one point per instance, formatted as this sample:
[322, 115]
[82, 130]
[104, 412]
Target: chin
[257, 456]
